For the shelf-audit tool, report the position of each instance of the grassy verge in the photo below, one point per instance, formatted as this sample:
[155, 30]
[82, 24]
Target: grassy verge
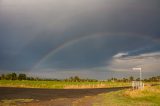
[60, 84]
[149, 96]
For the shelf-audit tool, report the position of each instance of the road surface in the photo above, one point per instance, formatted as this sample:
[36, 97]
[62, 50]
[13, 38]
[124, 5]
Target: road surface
[56, 97]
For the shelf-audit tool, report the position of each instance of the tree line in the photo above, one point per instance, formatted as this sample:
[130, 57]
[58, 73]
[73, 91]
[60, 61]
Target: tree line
[22, 76]
[77, 79]
[13, 76]
[131, 78]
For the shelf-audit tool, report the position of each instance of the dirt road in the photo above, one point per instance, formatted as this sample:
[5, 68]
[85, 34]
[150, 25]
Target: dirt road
[51, 97]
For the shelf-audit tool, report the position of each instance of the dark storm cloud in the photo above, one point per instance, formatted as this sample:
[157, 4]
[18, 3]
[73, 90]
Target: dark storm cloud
[31, 30]
[93, 52]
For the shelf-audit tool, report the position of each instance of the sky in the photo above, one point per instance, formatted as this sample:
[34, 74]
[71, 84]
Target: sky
[96, 39]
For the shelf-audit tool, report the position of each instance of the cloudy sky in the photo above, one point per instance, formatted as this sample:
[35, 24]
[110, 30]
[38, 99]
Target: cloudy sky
[89, 38]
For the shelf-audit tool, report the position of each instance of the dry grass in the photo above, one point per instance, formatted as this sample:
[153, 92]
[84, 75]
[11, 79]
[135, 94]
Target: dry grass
[147, 91]
[149, 96]
[85, 86]
[61, 84]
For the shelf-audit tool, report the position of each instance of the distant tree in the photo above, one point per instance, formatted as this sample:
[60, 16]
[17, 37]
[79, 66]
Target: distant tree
[28, 78]
[22, 77]
[158, 78]
[37, 78]
[138, 79]
[2, 77]
[31, 78]
[146, 80]
[125, 80]
[71, 79]
[8, 77]
[76, 78]
[14, 76]
[65, 80]
[131, 78]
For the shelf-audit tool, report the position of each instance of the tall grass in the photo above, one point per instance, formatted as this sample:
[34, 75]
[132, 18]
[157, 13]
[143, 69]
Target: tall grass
[148, 91]
[60, 84]
[149, 96]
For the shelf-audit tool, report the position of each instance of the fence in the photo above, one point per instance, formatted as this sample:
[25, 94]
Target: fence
[137, 85]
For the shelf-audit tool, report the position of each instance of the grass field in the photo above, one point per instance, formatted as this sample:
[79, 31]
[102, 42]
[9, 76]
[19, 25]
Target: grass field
[149, 96]
[60, 84]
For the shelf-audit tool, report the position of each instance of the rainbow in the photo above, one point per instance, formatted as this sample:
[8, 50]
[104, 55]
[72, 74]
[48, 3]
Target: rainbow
[75, 40]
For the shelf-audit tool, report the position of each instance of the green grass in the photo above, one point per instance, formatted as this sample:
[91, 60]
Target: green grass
[60, 84]
[150, 96]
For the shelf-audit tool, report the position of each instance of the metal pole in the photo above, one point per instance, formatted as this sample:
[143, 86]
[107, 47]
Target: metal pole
[140, 74]
[141, 84]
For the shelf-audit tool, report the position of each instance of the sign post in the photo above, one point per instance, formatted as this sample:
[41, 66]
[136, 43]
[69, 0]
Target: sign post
[140, 73]
[139, 84]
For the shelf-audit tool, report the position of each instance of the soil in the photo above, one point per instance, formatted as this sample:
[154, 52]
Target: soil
[52, 97]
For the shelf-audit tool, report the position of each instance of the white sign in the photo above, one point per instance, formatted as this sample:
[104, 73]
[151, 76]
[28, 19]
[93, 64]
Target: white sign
[137, 68]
